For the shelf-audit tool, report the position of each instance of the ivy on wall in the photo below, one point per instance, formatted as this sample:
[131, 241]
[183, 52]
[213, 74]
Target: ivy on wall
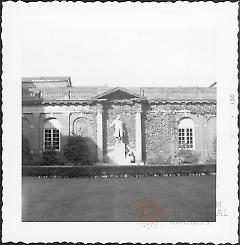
[193, 108]
[198, 109]
[162, 122]
[159, 129]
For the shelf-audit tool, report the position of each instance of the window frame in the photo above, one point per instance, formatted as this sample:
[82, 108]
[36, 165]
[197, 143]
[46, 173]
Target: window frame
[186, 135]
[51, 138]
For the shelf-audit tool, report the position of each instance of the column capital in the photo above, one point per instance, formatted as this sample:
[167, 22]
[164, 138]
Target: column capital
[138, 107]
[99, 111]
[99, 108]
[139, 110]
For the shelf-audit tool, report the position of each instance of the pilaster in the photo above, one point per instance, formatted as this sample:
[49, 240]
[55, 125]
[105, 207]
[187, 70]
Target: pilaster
[205, 141]
[36, 132]
[138, 118]
[99, 135]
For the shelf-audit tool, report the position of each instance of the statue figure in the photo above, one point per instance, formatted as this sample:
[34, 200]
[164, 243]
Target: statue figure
[118, 128]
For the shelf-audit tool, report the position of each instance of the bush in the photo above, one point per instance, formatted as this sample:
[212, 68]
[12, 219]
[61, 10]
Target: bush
[213, 157]
[188, 156]
[76, 151]
[215, 145]
[26, 154]
[160, 158]
[49, 157]
[36, 159]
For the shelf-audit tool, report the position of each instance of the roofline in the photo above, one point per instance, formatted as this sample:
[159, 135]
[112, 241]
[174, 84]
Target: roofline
[47, 79]
[26, 79]
[213, 85]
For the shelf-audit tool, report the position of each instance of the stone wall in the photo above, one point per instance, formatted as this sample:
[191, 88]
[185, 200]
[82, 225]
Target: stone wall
[69, 117]
[85, 125]
[160, 130]
[159, 125]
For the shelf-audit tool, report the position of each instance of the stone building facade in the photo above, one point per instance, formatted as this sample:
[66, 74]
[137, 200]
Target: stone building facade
[155, 120]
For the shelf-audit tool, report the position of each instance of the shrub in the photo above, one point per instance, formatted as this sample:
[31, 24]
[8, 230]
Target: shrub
[118, 171]
[36, 159]
[160, 158]
[26, 154]
[215, 145]
[49, 157]
[76, 151]
[188, 156]
[213, 155]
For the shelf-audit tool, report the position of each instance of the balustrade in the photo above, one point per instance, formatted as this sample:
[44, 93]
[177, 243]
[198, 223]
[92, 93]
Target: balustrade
[179, 93]
[79, 95]
[183, 93]
[54, 95]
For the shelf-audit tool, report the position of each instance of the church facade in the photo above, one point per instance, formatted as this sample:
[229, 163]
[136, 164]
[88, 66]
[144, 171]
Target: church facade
[154, 120]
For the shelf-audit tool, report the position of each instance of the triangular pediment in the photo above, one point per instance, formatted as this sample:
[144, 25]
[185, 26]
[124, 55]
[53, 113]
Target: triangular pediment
[118, 93]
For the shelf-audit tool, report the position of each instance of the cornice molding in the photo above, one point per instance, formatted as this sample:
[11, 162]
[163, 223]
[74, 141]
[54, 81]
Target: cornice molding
[129, 102]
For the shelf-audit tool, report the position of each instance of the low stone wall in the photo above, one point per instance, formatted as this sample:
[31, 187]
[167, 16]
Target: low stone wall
[118, 171]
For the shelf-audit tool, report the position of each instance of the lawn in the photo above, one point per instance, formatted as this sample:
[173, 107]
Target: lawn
[182, 198]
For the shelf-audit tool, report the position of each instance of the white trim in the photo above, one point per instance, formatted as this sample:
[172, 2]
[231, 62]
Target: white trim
[185, 127]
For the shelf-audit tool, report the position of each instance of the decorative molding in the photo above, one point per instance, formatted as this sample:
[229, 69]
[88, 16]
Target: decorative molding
[163, 102]
[118, 89]
[139, 111]
[80, 127]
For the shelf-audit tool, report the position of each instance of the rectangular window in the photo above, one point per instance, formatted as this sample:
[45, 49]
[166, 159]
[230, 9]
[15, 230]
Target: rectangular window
[51, 139]
[185, 138]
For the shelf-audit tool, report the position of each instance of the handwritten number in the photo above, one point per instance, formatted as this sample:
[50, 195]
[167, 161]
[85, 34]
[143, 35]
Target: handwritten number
[232, 99]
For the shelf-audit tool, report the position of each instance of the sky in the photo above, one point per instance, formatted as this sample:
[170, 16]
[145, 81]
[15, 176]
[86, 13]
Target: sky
[118, 45]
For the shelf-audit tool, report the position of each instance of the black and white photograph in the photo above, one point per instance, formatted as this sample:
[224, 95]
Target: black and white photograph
[125, 116]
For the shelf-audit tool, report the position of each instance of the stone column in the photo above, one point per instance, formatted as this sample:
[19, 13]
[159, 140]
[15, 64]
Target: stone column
[199, 135]
[138, 129]
[99, 136]
[64, 130]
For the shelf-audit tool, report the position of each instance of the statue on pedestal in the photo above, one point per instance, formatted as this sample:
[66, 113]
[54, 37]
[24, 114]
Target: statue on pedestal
[118, 129]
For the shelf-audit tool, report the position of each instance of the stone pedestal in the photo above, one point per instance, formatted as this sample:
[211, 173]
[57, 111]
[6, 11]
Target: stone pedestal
[117, 154]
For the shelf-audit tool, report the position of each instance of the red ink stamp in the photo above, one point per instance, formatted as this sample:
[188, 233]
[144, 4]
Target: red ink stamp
[149, 210]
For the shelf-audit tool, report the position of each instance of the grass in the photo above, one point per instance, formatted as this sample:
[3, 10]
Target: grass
[183, 198]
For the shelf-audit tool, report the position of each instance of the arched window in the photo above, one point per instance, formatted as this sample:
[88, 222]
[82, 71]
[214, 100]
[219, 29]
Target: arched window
[186, 134]
[51, 134]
